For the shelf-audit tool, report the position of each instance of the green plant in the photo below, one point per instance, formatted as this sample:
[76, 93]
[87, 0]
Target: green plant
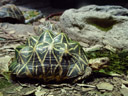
[118, 61]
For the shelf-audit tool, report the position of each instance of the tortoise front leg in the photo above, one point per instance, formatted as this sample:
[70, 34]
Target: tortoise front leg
[86, 74]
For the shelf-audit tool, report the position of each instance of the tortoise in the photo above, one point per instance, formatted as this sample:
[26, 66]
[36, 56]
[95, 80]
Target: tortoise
[11, 13]
[50, 57]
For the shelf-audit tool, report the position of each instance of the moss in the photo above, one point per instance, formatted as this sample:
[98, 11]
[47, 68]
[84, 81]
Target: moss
[102, 24]
[30, 14]
[103, 28]
[118, 61]
[4, 83]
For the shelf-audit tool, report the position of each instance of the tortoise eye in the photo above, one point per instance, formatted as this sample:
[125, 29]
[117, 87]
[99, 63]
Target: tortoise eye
[103, 60]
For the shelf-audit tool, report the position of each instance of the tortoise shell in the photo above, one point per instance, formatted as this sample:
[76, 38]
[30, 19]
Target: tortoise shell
[12, 14]
[49, 57]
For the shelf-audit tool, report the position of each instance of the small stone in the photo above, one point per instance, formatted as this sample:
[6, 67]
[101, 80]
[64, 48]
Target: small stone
[125, 82]
[40, 93]
[42, 20]
[123, 86]
[105, 86]
[124, 91]
[63, 90]
[117, 81]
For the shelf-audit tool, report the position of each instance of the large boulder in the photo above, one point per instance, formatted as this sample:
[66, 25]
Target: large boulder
[92, 25]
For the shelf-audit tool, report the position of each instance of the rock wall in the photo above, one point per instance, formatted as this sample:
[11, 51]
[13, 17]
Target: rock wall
[92, 25]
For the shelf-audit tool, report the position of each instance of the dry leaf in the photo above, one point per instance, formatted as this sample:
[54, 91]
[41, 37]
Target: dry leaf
[4, 63]
[12, 32]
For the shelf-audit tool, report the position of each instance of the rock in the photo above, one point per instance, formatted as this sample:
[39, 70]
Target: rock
[104, 86]
[124, 92]
[106, 25]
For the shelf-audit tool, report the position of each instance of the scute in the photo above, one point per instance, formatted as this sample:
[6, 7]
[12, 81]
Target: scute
[61, 38]
[32, 41]
[46, 36]
[50, 57]
[25, 54]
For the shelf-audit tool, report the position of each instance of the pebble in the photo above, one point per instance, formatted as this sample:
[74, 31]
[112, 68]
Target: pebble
[105, 86]
[50, 95]
[63, 90]
[124, 91]
[40, 93]
[125, 82]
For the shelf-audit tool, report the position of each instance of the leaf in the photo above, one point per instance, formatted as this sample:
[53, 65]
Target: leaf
[4, 63]
[1, 94]
[7, 76]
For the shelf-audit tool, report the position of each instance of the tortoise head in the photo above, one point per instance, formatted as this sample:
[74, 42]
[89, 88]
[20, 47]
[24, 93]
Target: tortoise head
[99, 63]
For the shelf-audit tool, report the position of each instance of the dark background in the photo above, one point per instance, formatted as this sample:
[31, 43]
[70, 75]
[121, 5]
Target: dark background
[52, 6]
[64, 4]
